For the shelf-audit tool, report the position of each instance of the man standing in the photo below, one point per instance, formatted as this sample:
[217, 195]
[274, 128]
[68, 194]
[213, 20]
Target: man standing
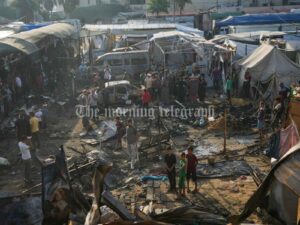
[119, 133]
[146, 98]
[192, 162]
[170, 161]
[148, 82]
[24, 147]
[217, 76]
[93, 103]
[132, 138]
[261, 120]
[107, 74]
[277, 113]
[35, 131]
[22, 125]
[202, 88]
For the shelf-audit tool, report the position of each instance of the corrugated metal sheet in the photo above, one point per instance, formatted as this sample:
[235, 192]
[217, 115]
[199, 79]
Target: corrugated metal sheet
[288, 173]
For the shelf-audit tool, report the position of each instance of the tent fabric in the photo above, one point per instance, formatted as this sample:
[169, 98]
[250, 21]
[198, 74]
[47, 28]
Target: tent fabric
[256, 19]
[267, 65]
[26, 41]
[20, 44]
[289, 137]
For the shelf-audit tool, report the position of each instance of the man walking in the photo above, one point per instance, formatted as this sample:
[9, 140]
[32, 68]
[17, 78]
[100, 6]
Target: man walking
[132, 138]
[24, 147]
[192, 162]
[22, 125]
[119, 133]
[35, 131]
[170, 161]
[146, 98]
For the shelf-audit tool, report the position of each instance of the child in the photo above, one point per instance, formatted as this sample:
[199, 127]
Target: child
[182, 174]
[192, 162]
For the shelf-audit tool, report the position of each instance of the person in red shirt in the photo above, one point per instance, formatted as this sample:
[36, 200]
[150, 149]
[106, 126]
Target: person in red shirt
[146, 98]
[192, 162]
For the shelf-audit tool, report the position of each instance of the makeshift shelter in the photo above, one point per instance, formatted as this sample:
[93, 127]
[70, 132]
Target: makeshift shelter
[268, 67]
[279, 193]
[26, 42]
[174, 49]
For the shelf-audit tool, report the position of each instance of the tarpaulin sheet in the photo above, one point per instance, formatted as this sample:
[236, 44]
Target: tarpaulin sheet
[263, 18]
[26, 41]
[289, 137]
[27, 27]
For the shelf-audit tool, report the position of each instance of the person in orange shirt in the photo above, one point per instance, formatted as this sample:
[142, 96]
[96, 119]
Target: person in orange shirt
[35, 131]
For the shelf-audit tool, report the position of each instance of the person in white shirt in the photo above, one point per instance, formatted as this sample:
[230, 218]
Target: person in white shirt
[107, 73]
[92, 102]
[18, 85]
[24, 147]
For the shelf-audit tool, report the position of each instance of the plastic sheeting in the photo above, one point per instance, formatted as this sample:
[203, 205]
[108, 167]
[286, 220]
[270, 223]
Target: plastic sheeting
[264, 18]
[289, 137]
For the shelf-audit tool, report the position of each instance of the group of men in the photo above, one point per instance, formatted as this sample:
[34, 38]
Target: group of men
[187, 170]
[28, 135]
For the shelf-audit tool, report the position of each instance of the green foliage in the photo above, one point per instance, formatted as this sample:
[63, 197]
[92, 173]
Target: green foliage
[181, 4]
[157, 6]
[98, 12]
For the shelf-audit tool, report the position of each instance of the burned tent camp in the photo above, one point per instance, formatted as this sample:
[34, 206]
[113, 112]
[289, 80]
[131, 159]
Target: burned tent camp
[143, 123]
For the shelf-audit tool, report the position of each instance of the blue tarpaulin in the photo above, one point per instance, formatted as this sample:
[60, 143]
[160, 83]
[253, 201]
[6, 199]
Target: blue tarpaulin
[27, 27]
[259, 19]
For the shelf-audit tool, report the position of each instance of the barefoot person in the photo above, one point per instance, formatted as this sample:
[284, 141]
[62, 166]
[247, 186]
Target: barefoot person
[170, 161]
[261, 120]
[120, 133]
[132, 138]
[182, 175]
[24, 147]
[192, 162]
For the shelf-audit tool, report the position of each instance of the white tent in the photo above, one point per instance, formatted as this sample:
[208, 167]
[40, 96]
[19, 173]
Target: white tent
[268, 67]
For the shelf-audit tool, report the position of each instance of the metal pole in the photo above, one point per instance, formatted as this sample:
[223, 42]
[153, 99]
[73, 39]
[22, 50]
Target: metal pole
[225, 128]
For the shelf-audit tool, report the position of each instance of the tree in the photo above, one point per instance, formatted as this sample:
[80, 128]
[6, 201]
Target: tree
[181, 4]
[157, 6]
[69, 5]
[26, 8]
